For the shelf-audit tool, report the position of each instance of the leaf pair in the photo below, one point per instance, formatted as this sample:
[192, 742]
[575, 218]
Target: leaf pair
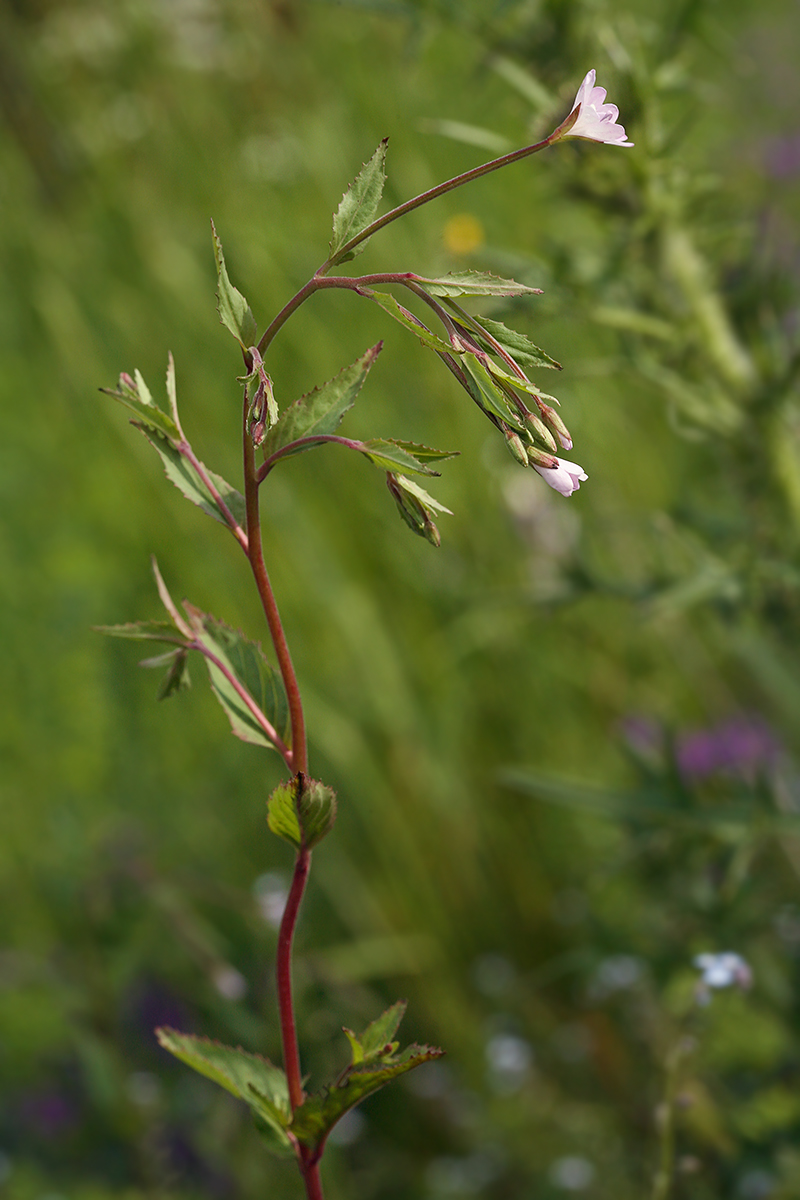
[250, 691]
[202, 486]
[374, 1062]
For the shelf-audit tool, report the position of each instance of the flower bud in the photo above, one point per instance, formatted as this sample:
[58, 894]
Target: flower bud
[540, 458]
[541, 431]
[552, 419]
[516, 446]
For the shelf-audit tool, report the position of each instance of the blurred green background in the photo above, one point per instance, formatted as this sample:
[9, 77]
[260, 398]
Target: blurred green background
[563, 743]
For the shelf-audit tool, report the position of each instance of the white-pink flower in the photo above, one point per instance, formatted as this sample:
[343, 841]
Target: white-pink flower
[566, 478]
[596, 120]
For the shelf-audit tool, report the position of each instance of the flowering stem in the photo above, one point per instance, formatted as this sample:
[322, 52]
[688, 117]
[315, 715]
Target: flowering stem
[433, 193]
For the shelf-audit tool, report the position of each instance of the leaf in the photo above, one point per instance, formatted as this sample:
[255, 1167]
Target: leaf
[135, 395]
[248, 1076]
[313, 1120]
[301, 811]
[376, 1039]
[320, 411]
[234, 311]
[476, 283]
[177, 678]
[396, 310]
[490, 397]
[389, 455]
[156, 631]
[180, 471]
[518, 346]
[358, 206]
[246, 661]
[424, 453]
[416, 507]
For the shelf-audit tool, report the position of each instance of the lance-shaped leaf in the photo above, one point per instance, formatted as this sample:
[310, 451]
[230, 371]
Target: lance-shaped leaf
[489, 395]
[358, 206]
[234, 311]
[521, 348]
[301, 811]
[407, 319]
[375, 1062]
[152, 631]
[134, 393]
[416, 507]
[390, 455]
[320, 412]
[475, 283]
[245, 661]
[194, 485]
[248, 1076]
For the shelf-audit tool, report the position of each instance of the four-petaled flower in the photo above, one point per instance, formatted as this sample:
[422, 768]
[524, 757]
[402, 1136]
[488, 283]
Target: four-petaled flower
[566, 478]
[596, 121]
[720, 971]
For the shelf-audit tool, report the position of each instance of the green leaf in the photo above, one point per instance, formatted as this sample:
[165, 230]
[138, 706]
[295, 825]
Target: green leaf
[313, 1120]
[245, 660]
[376, 1040]
[396, 310]
[180, 471]
[135, 395]
[358, 206]
[301, 811]
[475, 283]
[320, 411]
[389, 455]
[155, 631]
[491, 397]
[177, 678]
[518, 346]
[234, 311]
[248, 1076]
[415, 506]
[424, 453]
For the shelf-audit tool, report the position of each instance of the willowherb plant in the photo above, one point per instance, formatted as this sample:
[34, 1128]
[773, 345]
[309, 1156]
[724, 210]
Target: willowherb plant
[264, 705]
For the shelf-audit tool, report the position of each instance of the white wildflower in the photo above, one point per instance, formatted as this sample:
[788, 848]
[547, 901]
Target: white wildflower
[566, 478]
[596, 120]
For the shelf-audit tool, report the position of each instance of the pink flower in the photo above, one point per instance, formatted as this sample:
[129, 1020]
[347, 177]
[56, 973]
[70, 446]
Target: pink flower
[596, 121]
[566, 478]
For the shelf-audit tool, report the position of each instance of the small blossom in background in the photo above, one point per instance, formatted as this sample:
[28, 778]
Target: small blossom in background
[743, 745]
[596, 121]
[720, 971]
[566, 478]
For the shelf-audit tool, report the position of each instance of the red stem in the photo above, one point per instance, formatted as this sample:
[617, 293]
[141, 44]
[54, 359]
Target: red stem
[255, 553]
[291, 1054]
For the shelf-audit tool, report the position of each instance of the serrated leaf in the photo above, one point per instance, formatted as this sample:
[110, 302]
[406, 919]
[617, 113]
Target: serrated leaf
[180, 471]
[313, 1120]
[135, 395]
[358, 206]
[518, 346]
[234, 311]
[491, 397]
[424, 453]
[246, 661]
[320, 412]
[248, 1076]
[476, 283]
[301, 811]
[396, 310]
[154, 631]
[390, 455]
[376, 1040]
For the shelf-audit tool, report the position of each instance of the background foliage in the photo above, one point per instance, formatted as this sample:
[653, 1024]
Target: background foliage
[639, 639]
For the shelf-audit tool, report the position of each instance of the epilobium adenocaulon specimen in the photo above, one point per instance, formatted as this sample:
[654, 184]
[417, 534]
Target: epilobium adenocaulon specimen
[263, 702]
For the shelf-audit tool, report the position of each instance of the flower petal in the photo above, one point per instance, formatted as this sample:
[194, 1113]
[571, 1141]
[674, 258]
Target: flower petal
[596, 120]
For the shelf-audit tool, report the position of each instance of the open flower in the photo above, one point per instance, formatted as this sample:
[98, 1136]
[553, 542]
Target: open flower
[720, 971]
[566, 478]
[596, 121]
